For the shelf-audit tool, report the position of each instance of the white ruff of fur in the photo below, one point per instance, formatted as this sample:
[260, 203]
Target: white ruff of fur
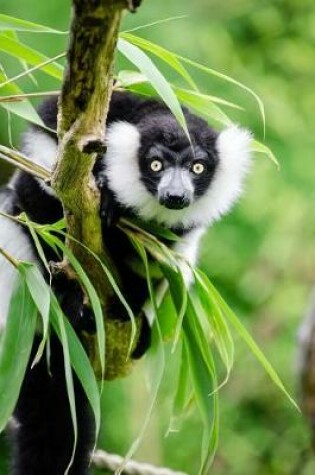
[16, 244]
[42, 149]
[233, 147]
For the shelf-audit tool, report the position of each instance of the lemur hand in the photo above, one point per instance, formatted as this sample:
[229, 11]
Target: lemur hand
[109, 209]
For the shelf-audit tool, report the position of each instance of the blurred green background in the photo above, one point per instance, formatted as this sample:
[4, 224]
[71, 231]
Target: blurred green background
[262, 256]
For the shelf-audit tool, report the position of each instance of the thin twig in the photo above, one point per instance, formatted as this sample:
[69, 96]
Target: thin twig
[21, 161]
[23, 97]
[9, 258]
[31, 70]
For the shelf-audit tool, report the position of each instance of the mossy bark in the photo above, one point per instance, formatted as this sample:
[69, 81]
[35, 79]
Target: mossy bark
[83, 108]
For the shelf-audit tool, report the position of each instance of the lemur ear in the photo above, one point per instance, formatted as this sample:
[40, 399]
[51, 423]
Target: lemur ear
[233, 146]
[234, 149]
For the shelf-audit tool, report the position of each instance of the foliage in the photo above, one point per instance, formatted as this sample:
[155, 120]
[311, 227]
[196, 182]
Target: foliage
[262, 253]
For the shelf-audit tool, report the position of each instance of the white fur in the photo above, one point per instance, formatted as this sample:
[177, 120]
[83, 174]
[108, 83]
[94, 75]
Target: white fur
[233, 147]
[188, 247]
[42, 149]
[16, 244]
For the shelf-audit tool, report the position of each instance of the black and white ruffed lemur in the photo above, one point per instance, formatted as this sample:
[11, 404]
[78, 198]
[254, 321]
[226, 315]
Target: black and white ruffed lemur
[150, 170]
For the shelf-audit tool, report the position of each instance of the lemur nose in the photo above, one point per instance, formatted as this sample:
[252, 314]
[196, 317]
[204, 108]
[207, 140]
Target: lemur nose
[175, 201]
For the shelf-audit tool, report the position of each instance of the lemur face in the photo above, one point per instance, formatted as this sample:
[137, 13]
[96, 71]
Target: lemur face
[154, 169]
[173, 169]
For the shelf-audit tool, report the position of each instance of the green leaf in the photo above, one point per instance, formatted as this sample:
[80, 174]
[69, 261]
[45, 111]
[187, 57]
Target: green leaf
[57, 227]
[212, 313]
[40, 293]
[176, 61]
[29, 71]
[39, 248]
[205, 386]
[14, 35]
[229, 79]
[15, 348]
[152, 228]
[167, 56]
[158, 81]
[20, 51]
[155, 359]
[24, 109]
[93, 297]
[17, 24]
[179, 296]
[157, 22]
[203, 105]
[80, 363]
[261, 148]
[129, 78]
[58, 318]
[183, 390]
[234, 321]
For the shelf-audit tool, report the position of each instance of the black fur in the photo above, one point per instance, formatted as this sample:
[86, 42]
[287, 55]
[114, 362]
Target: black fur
[44, 440]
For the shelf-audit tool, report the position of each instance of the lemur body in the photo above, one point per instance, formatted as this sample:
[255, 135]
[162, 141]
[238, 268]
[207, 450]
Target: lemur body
[150, 170]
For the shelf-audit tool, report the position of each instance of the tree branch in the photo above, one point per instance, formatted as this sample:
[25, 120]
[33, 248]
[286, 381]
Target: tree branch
[105, 461]
[82, 115]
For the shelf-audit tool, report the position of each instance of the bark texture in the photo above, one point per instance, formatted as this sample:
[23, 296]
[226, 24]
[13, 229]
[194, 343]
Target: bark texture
[83, 109]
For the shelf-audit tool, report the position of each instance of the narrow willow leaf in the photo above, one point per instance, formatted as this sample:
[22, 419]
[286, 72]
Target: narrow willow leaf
[261, 148]
[208, 99]
[155, 49]
[152, 228]
[13, 34]
[155, 358]
[93, 298]
[16, 340]
[202, 105]
[248, 340]
[20, 51]
[221, 334]
[80, 363]
[205, 384]
[8, 23]
[129, 78]
[229, 79]
[167, 56]
[24, 109]
[27, 95]
[167, 314]
[40, 293]
[160, 252]
[157, 22]
[179, 295]
[58, 227]
[58, 316]
[136, 56]
[29, 71]
[39, 248]
[183, 390]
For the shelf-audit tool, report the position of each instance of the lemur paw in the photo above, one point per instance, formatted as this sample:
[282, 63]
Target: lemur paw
[109, 210]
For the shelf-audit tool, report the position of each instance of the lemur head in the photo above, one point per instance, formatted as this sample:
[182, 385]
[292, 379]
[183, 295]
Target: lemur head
[153, 168]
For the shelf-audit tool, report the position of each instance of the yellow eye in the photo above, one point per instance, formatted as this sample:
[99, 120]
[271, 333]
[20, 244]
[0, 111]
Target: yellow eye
[198, 168]
[156, 165]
